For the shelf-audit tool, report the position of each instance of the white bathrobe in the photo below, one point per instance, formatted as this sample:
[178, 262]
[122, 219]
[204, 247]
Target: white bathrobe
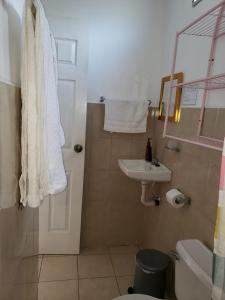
[42, 135]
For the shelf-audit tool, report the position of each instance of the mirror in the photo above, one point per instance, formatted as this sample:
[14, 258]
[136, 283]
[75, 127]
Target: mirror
[174, 109]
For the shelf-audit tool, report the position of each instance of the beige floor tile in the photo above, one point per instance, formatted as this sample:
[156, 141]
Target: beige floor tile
[125, 282]
[58, 290]
[58, 267]
[123, 249]
[94, 251]
[123, 264]
[91, 266]
[98, 289]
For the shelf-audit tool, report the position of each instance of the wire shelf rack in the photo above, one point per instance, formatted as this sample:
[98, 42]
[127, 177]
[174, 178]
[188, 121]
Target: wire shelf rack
[205, 26]
[211, 83]
[212, 25]
[203, 141]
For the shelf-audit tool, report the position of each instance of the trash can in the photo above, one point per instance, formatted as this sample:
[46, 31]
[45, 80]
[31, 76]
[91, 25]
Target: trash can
[150, 273]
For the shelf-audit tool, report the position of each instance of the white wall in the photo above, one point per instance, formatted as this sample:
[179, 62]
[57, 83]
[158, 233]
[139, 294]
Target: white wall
[193, 52]
[125, 50]
[125, 45]
[10, 33]
[131, 43]
[179, 14]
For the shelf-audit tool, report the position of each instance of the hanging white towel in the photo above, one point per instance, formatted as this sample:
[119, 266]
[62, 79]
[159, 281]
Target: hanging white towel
[126, 116]
[42, 135]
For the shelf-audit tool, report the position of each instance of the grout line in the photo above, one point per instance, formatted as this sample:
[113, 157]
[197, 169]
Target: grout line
[98, 277]
[110, 253]
[58, 255]
[117, 283]
[94, 254]
[66, 279]
[36, 296]
[40, 268]
[78, 279]
[78, 275]
[71, 279]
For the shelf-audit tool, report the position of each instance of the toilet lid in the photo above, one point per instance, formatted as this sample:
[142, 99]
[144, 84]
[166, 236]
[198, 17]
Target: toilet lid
[136, 297]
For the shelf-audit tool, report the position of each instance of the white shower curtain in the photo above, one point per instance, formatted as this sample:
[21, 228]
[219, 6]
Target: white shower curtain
[42, 135]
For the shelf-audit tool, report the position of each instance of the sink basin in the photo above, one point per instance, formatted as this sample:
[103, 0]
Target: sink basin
[144, 171]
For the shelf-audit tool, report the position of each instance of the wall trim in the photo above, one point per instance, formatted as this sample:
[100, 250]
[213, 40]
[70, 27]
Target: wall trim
[9, 82]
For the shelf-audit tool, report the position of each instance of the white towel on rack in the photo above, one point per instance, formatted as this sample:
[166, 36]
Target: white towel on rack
[126, 116]
[42, 135]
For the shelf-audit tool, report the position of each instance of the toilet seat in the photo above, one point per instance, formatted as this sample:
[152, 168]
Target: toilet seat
[136, 297]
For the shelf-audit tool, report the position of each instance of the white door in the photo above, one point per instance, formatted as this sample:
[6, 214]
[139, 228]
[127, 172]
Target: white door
[60, 215]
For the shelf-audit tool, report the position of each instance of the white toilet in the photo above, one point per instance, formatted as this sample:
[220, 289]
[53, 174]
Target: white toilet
[193, 272]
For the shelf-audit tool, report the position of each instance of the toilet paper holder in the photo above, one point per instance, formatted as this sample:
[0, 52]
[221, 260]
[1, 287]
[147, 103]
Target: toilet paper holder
[182, 199]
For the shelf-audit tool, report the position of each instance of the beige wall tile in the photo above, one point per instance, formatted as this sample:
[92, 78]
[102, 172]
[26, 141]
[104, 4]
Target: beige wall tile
[100, 151]
[94, 216]
[123, 249]
[96, 121]
[16, 251]
[121, 146]
[93, 237]
[121, 149]
[28, 270]
[98, 182]
[121, 187]
[94, 250]
[10, 145]
[123, 226]
[210, 124]
[25, 292]
[138, 148]
[106, 189]
[195, 172]
[220, 124]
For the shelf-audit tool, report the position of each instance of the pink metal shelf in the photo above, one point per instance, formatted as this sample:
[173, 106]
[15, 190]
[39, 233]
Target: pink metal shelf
[200, 141]
[211, 83]
[212, 25]
[205, 25]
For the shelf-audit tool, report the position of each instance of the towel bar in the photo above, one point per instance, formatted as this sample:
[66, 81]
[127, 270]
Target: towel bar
[102, 100]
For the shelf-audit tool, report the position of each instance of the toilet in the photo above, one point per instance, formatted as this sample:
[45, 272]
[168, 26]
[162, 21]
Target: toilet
[193, 273]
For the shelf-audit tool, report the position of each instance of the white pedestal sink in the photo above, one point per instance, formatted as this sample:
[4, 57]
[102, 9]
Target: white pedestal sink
[145, 172]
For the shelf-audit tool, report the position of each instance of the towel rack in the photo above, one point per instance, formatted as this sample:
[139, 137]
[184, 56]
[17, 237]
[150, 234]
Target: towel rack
[102, 100]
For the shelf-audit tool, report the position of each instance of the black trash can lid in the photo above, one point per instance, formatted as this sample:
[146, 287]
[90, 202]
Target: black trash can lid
[152, 260]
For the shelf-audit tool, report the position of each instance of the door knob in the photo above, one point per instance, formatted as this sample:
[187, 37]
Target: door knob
[78, 148]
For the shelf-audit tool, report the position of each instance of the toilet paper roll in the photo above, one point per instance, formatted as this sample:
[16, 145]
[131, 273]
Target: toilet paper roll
[171, 197]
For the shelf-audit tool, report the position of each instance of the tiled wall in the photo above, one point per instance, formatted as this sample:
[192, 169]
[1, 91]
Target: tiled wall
[112, 212]
[18, 229]
[196, 172]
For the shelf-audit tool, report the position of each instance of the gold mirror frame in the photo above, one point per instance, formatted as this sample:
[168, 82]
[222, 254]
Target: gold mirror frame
[178, 77]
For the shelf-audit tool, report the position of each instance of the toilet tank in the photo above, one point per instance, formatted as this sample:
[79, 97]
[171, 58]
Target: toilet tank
[193, 274]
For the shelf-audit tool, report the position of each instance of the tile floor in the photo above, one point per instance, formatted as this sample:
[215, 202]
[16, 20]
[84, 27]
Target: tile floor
[95, 274]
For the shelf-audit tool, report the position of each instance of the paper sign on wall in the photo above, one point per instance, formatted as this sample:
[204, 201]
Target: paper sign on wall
[189, 96]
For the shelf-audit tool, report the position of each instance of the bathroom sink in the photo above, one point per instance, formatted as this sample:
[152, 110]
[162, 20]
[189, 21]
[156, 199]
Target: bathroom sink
[144, 171]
